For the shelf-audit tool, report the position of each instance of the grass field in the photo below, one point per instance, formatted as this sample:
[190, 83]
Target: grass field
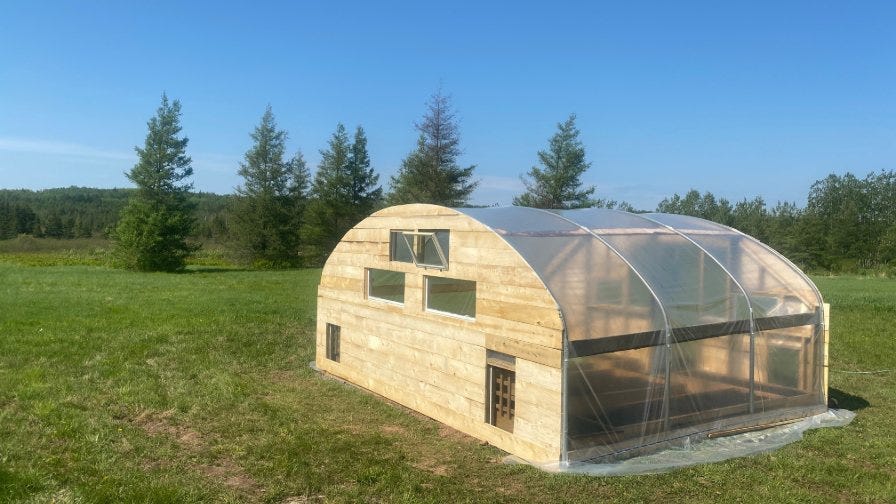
[195, 387]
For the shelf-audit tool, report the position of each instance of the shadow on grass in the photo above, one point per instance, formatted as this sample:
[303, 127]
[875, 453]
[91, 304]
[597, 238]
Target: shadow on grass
[840, 399]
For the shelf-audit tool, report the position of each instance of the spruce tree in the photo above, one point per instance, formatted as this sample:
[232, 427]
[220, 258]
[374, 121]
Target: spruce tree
[364, 194]
[268, 205]
[344, 192]
[557, 184]
[152, 231]
[430, 173]
[7, 221]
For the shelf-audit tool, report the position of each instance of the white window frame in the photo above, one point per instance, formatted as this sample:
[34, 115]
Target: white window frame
[410, 242]
[427, 309]
[368, 285]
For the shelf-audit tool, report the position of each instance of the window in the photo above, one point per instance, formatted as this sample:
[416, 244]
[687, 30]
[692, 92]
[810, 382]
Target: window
[432, 248]
[385, 285]
[399, 248]
[333, 342]
[449, 295]
[501, 376]
[426, 248]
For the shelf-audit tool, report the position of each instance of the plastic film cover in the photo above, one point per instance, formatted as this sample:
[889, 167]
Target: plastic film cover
[674, 326]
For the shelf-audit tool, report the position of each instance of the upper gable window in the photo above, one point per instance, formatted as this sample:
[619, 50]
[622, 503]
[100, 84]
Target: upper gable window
[426, 248]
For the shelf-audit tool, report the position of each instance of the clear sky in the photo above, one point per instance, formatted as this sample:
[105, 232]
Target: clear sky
[738, 98]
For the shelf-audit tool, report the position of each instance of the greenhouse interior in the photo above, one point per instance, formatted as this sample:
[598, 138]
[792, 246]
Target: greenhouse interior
[674, 326]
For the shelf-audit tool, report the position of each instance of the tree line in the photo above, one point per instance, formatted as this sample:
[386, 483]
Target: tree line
[281, 216]
[847, 225]
[85, 212]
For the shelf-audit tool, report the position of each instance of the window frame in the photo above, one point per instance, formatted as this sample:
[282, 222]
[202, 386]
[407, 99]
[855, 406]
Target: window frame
[416, 245]
[394, 236]
[426, 308]
[333, 342]
[497, 362]
[368, 286]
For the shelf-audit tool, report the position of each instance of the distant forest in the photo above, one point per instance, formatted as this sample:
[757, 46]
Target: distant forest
[847, 225]
[83, 212]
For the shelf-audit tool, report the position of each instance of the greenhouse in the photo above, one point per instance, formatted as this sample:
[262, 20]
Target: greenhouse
[572, 335]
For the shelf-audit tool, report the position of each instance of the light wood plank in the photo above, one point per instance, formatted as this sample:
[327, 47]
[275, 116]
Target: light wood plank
[415, 209]
[543, 355]
[517, 312]
[389, 367]
[528, 450]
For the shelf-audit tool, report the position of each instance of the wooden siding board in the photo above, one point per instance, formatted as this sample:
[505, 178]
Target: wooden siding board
[434, 363]
[529, 450]
[414, 374]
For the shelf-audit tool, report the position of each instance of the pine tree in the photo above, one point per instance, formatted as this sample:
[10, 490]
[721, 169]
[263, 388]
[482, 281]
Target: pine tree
[430, 173]
[558, 184]
[299, 191]
[344, 192]
[7, 221]
[267, 207]
[365, 195]
[151, 234]
[54, 226]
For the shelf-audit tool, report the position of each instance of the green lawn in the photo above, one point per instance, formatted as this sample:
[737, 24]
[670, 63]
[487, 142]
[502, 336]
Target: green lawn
[195, 387]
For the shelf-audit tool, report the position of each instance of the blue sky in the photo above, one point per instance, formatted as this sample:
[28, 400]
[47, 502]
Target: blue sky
[738, 98]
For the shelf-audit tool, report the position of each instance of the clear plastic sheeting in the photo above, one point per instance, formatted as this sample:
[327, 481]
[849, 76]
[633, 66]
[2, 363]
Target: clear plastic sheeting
[674, 326]
[695, 450]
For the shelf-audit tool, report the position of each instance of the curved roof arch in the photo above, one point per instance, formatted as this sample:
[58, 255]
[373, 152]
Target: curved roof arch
[615, 273]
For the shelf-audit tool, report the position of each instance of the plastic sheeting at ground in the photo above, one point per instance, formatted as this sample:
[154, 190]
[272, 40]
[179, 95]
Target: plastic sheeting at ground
[703, 451]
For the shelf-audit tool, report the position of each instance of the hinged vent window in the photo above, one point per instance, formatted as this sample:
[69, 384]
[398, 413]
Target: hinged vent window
[426, 248]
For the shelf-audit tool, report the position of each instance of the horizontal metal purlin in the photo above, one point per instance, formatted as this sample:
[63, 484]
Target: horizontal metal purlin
[583, 348]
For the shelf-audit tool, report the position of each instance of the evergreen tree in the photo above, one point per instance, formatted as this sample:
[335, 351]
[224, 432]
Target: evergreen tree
[54, 226]
[265, 211]
[344, 192]
[751, 217]
[558, 183]
[26, 219]
[704, 206]
[364, 194]
[430, 173]
[298, 190]
[7, 221]
[151, 234]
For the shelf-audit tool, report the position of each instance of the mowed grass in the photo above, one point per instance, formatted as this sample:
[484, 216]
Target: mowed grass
[195, 387]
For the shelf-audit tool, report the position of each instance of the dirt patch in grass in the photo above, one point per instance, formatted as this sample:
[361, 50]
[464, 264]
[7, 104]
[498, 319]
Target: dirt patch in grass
[223, 470]
[160, 424]
[433, 467]
[303, 499]
[394, 430]
[232, 475]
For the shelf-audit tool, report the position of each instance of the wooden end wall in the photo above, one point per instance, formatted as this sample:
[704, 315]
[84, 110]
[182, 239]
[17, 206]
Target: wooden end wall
[435, 363]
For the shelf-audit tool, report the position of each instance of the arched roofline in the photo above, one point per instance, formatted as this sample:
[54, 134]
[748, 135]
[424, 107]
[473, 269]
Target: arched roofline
[767, 248]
